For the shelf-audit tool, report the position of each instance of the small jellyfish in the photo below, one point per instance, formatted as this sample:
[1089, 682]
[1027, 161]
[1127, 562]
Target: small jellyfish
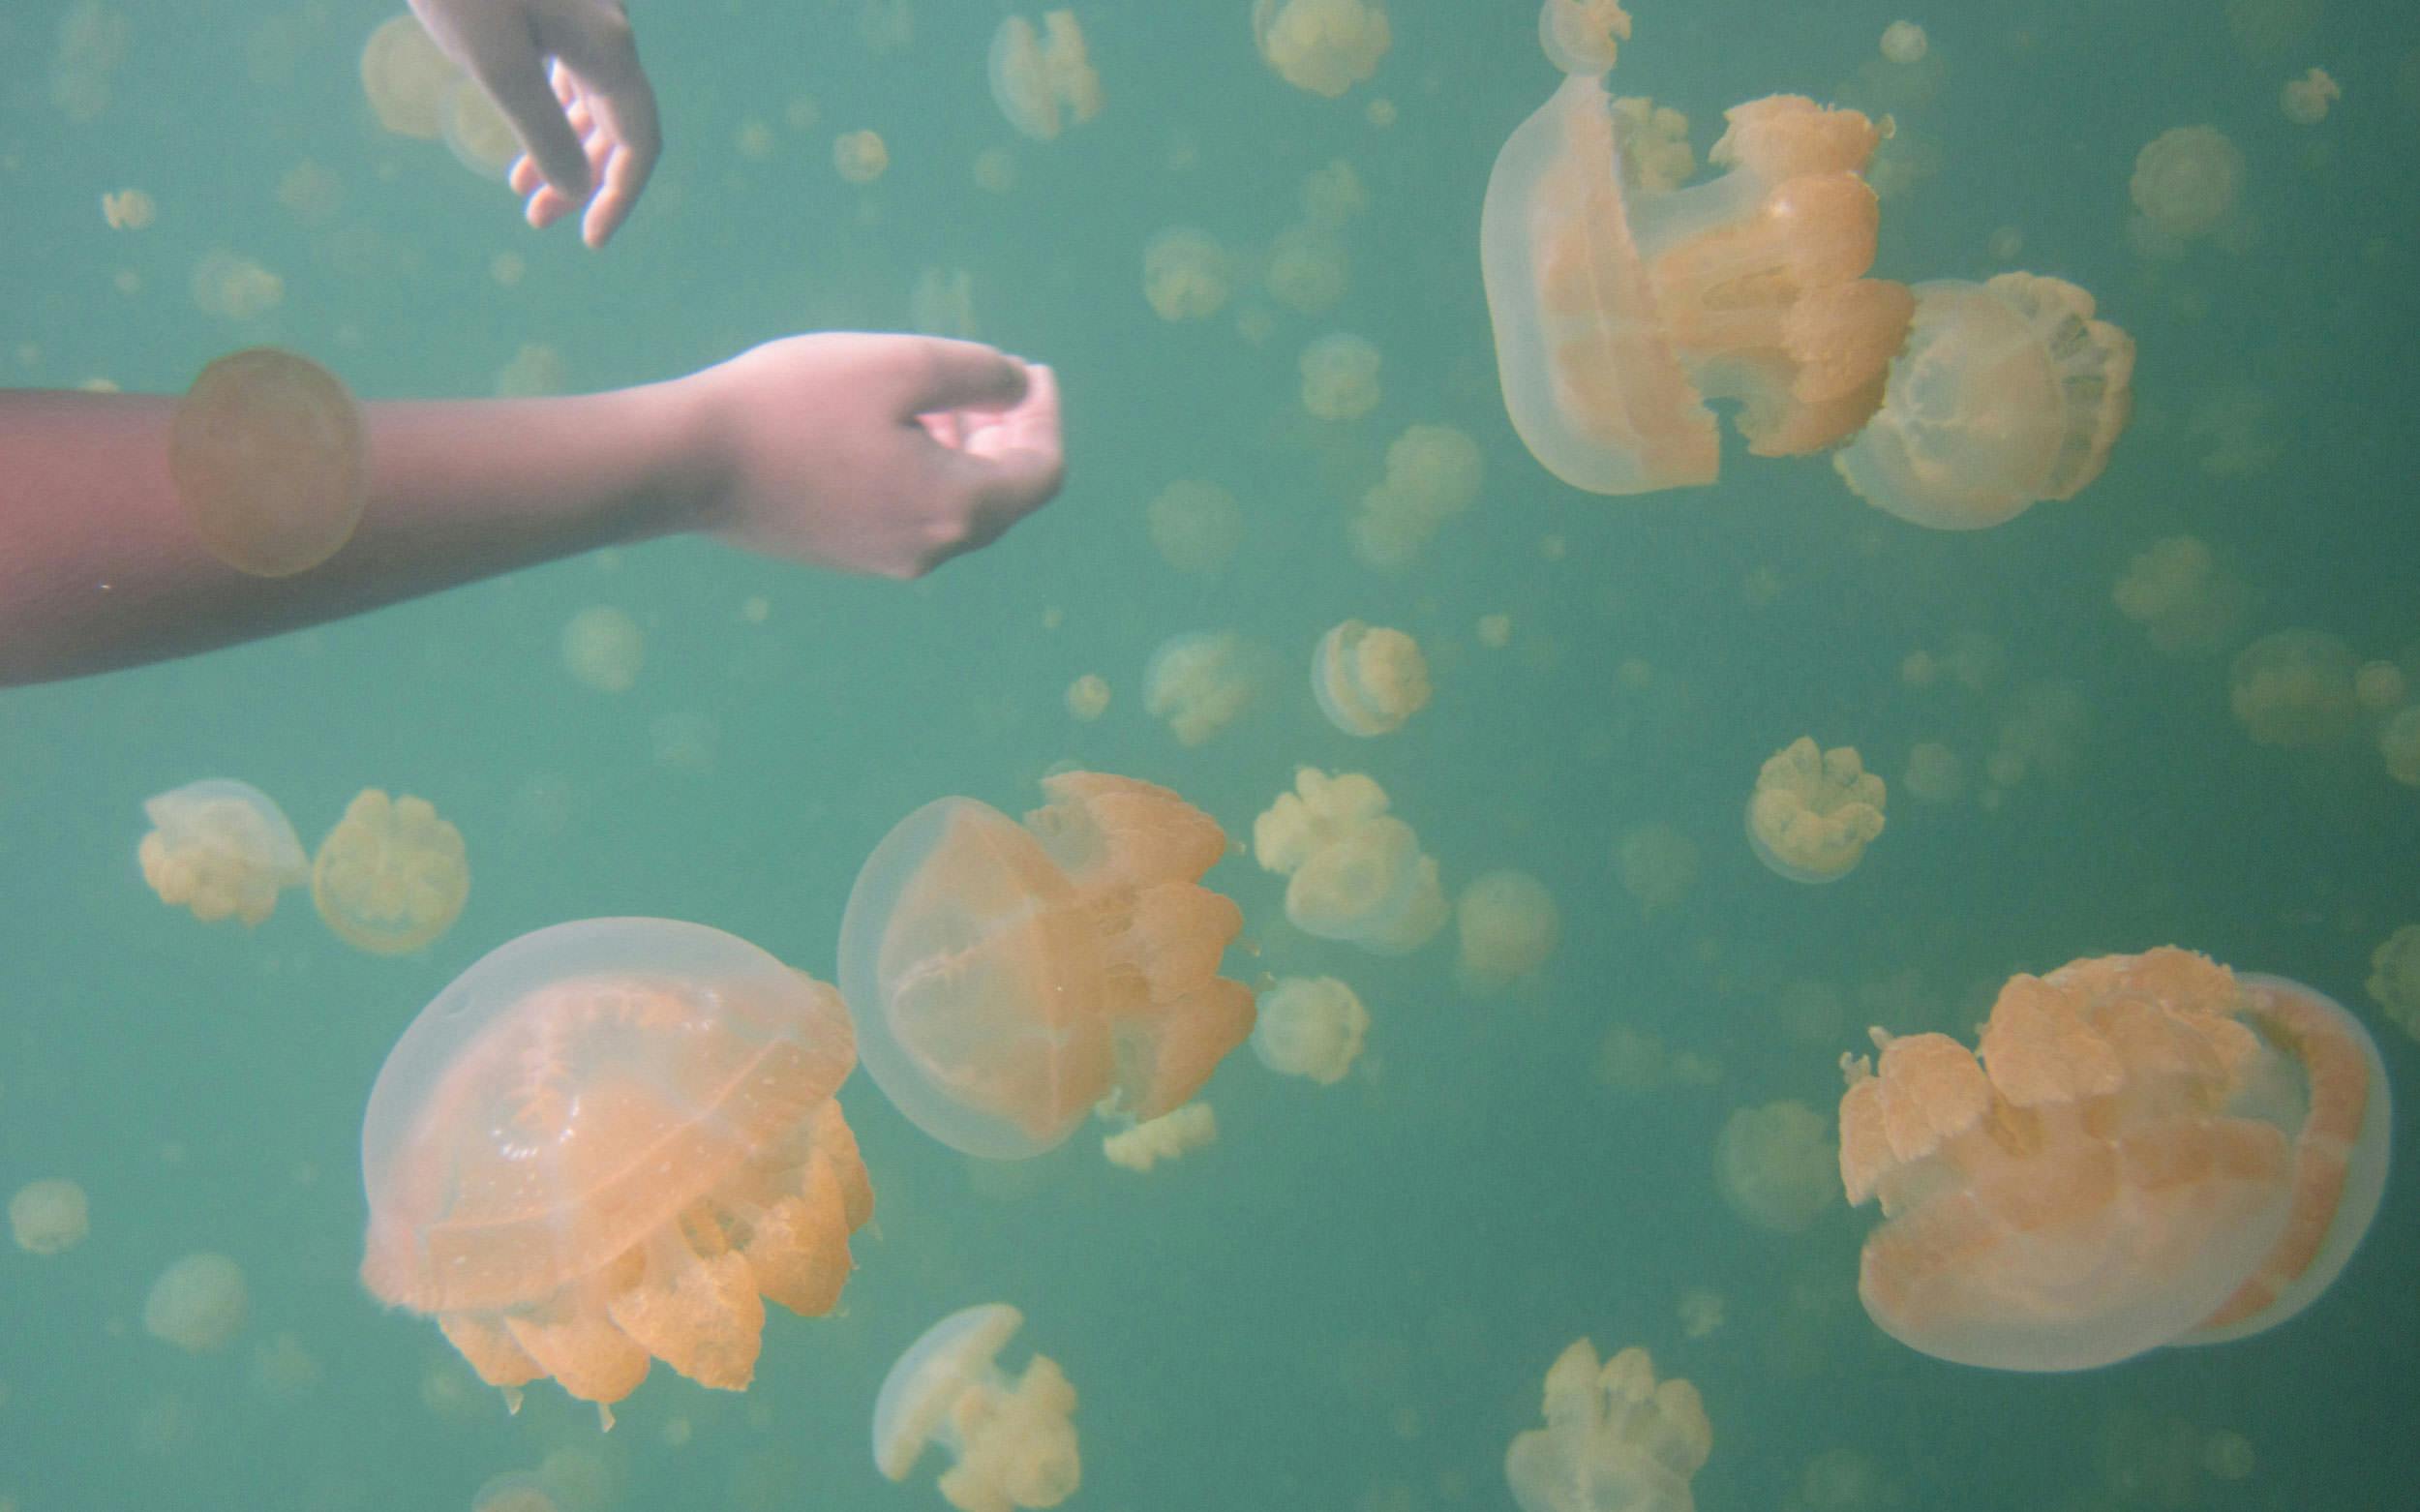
[1013, 1442]
[860, 157]
[1814, 811]
[943, 304]
[391, 876]
[2008, 392]
[1369, 680]
[1616, 1439]
[2394, 981]
[2186, 181]
[1042, 79]
[1007, 978]
[1583, 36]
[1340, 377]
[2399, 745]
[1935, 773]
[128, 210]
[1167, 1137]
[2306, 100]
[1200, 681]
[1777, 1166]
[2176, 590]
[49, 1217]
[1196, 526]
[478, 133]
[1088, 697]
[406, 77]
[514, 1491]
[1657, 865]
[221, 848]
[198, 1303]
[603, 649]
[535, 369]
[1354, 871]
[1185, 274]
[1508, 925]
[1433, 473]
[612, 1140]
[1325, 46]
[1310, 1027]
[2294, 689]
[1307, 269]
[1904, 43]
[270, 456]
[2381, 687]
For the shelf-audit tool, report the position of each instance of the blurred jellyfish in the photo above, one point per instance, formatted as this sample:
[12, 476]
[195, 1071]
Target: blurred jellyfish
[1814, 811]
[1332, 194]
[1340, 377]
[860, 157]
[1433, 473]
[1185, 274]
[1196, 526]
[536, 369]
[1583, 36]
[391, 876]
[49, 1217]
[2186, 181]
[1013, 1442]
[406, 77]
[1369, 680]
[2008, 392]
[1325, 46]
[1041, 80]
[2381, 687]
[684, 739]
[603, 649]
[943, 304]
[2394, 979]
[2399, 745]
[1356, 873]
[1657, 865]
[1307, 269]
[1494, 631]
[128, 210]
[1904, 43]
[1777, 1166]
[2294, 689]
[2175, 590]
[2234, 428]
[198, 1303]
[284, 1366]
[1006, 979]
[269, 453]
[611, 1140]
[1508, 925]
[2199, 1154]
[1935, 773]
[1167, 1137]
[477, 131]
[1700, 1313]
[2306, 100]
[221, 848]
[1198, 683]
[1620, 306]
[91, 46]
[1310, 1027]
[515, 1491]
[1614, 1439]
[234, 288]
[1088, 697]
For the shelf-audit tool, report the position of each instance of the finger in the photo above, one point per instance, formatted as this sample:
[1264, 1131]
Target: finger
[624, 178]
[603, 55]
[514, 76]
[964, 376]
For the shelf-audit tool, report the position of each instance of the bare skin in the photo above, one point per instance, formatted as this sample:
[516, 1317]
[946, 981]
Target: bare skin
[881, 455]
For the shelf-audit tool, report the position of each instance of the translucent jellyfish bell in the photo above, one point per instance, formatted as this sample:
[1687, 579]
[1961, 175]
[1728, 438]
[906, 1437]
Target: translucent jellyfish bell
[391, 876]
[1777, 1166]
[1325, 46]
[1508, 926]
[1813, 811]
[1368, 680]
[198, 1303]
[1616, 1439]
[49, 1217]
[221, 848]
[269, 453]
[1014, 1440]
[1042, 79]
[1310, 1027]
[1583, 36]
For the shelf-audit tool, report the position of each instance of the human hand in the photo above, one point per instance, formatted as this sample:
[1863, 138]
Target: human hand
[566, 74]
[884, 455]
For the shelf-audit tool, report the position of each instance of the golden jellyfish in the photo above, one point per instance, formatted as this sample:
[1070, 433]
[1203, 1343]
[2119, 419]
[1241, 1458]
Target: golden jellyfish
[233, 287]
[1777, 1167]
[514, 1491]
[2176, 590]
[2394, 979]
[269, 453]
[1200, 681]
[1368, 679]
[2009, 392]
[1657, 866]
[1621, 306]
[1814, 811]
[1310, 1027]
[1185, 274]
[198, 1303]
[1354, 871]
[611, 1141]
[2399, 745]
[2306, 100]
[1325, 46]
[2186, 181]
[2381, 687]
[1508, 924]
[221, 848]
[128, 210]
[1307, 268]
[860, 157]
[1014, 1440]
[1007, 978]
[1340, 377]
[1615, 1438]
[1904, 43]
[2142, 1150]
[478, 133]
[49, 1217]
[1042, 79]
[1583, 36]
[391, 876]
[1935, 773]
[406, 77]
[1196, 526]
[2294, 689]
[1433, 473]
[1167, 1137]
[603, 649]
[1087, 698]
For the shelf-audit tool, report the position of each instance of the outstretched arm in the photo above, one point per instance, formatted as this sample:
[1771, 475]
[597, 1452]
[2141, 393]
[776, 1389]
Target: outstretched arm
[873, 454]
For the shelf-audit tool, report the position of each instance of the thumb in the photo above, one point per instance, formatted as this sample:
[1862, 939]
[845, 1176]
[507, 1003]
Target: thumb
[964, 376]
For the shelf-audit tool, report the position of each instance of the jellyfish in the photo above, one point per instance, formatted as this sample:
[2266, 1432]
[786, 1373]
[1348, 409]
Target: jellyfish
[1185, 274]
[1196, 526]
[2142, 1150]
[860, 157]
[1616, 1439]
[1041, 80]
[2175, 590]
[1340, 377]
[1583, 36]
[1814, 811]
[1433, 473]
[269, 454]
[1621, 306]
[1700, 1313]
[1307, 269]
[1087, 698]
[1167, 1137]
[1198, 683]
[1777, 1166]
[603, 649]
[1657, 866]
[406, 77]
[49, 1217]
[2306, 100]
[1904, 43]
[1356, 873]
[610, 1140]
[2394, 983]
[1325, 46]
[535, 369]
[1006, 978]
[198, 1303]
[1014, 1440]
[514, 1491]
[2381, 687]
[1508, 926]
[1368, 679]
[221, 848]
[391, 876]
[128, 210]
[2399, 745]
[2294, 689]
[2009, 392]
[1310, 1027]
[2186, 181]
[941, 303]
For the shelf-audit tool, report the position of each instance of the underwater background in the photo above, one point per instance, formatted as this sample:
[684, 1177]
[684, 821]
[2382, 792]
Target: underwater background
[1347, 1301]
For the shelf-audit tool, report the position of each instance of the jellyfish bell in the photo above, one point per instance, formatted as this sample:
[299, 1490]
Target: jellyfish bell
[1325, 46]
[1310, 1027]
[221, 848]
[1615, 1438]
[1369, 680]
[477, 131]
[1014, 1440]
[1508, 924]
[1813, 811]
[198, 1303]
[406, 77]
[392, 875]
[1583, 36]
[1042, 79]
[2186, 180]
[269, 453]
[49, 1217]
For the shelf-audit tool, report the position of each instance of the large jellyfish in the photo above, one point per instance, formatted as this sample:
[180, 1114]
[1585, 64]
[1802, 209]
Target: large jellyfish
[1814, 811]
[221, 848]
[1356, 873]
[1367, 679]
[611, 1140]
[1326, 46]
[1310, 1027]
[1620, 306]
[198, 1303]
[1042, 79]
[1507, 925]
[270, 456]
[1013, 1439]
[391, 876]
[1007, 978]
[1616, 1439]
[2009, 392]
[2142, 1150]
[49, 1217]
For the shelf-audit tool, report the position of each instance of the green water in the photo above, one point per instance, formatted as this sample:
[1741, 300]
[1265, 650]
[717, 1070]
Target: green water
[1351, 1299]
